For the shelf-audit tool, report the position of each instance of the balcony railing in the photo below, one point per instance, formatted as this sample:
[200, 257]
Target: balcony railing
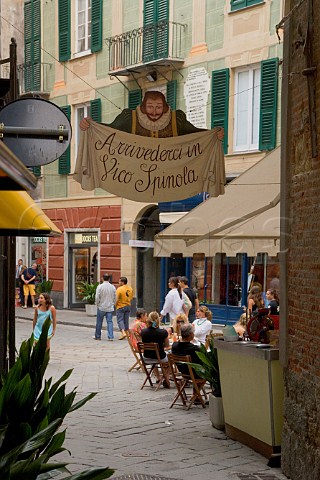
[32, 77]
[153, 44]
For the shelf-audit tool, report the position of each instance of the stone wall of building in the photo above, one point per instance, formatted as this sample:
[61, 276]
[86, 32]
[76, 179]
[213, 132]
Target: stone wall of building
[301, 437]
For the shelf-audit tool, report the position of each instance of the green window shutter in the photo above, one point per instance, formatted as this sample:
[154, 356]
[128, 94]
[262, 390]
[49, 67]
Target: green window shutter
[220, 102]
[268, 104]
[64, 160]
[96, 25]
[155, 41]
[64, 30]
[135, 98]
[32, 45]
[95, 109]
[172, 94]
[36, 171]
[162, 34]
[238, 4]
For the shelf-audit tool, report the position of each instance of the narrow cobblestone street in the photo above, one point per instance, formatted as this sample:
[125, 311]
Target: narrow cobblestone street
[133, 431]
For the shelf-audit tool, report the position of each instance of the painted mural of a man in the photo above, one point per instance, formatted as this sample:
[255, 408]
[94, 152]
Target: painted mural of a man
[153, 118]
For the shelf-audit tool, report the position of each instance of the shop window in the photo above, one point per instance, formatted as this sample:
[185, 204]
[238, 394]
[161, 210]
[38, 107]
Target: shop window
[38, 250]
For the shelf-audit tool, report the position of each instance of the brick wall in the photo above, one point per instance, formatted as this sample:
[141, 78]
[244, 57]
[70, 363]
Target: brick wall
[301, 434]
[107, 218]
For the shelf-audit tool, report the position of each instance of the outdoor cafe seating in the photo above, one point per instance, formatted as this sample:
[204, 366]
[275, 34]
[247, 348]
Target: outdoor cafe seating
[149, 365]
[185, 379]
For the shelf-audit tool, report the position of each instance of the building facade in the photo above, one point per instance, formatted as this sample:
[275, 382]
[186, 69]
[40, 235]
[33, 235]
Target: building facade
[300, 240]
[218, 61]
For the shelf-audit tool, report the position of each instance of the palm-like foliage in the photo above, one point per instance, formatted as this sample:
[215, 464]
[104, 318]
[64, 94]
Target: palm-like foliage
[209, 367]
[87, 292]
[31, 411]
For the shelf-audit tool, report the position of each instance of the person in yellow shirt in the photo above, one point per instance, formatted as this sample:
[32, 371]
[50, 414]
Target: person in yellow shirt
[124, 295]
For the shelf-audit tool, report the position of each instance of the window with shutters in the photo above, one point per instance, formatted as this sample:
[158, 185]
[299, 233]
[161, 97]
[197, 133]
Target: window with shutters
[85, 20]
[247, 108]
[156, 29]
[239, 4]
[83, 25]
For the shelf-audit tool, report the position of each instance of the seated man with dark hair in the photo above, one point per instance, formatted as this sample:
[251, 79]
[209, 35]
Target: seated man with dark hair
[186, 347]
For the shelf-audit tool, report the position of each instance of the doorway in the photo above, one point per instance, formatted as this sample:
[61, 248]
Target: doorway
[82, 267]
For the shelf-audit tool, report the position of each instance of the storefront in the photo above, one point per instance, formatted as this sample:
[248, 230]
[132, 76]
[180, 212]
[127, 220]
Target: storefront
[82, 263]
[230, 242]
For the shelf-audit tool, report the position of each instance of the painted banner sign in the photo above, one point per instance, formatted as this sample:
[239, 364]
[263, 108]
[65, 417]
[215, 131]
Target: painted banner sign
[150, 169]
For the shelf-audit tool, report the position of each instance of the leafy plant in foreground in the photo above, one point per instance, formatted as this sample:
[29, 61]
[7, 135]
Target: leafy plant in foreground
[32, 410]
[209, 367]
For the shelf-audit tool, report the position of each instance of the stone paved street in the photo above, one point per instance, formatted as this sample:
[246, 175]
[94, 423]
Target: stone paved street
[133, 430]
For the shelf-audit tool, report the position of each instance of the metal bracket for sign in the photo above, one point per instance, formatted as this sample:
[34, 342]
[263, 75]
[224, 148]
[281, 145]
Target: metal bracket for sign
[35, 130]
[61, 133]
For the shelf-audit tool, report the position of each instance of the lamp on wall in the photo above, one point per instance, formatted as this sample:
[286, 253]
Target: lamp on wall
[152, 76]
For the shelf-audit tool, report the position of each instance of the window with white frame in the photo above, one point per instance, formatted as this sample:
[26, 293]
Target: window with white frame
[83, 25]
[81, 111]
[247, 108]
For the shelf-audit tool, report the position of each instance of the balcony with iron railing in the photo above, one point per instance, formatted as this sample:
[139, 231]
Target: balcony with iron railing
[156, 44]
[33, 77]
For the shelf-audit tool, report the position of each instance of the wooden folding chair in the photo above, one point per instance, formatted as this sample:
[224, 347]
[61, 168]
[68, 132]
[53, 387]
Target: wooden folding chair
[183, 379]
[149, 365]
[137, 364]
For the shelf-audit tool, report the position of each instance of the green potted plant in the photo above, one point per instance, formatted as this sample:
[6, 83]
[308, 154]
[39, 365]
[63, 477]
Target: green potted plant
[44, 286]
[209, 370]
[87, 292]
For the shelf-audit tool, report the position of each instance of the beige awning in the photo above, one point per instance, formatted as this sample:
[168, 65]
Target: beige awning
[246, 219]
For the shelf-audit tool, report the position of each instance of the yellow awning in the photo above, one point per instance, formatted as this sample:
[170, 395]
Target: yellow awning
[20, 216]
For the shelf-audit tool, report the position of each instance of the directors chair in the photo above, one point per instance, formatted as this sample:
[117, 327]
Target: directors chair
[149, 365]
[183, 376]
[137, 364]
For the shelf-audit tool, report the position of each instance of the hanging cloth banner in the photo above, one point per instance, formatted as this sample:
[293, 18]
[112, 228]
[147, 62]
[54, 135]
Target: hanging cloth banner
[147, 169]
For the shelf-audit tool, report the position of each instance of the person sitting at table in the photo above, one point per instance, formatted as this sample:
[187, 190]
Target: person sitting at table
[154, 334]
[136, 327]
[179, 320]
[241, 325]
[185, 346]
[202, 324]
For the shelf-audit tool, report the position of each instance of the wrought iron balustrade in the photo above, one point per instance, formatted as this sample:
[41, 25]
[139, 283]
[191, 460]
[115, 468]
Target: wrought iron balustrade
[32, 77]
[146, 45]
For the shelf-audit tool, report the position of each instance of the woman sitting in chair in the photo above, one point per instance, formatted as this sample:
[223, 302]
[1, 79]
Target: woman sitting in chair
[138, 325]
[202, 324]
[180, 319]
[154, 334]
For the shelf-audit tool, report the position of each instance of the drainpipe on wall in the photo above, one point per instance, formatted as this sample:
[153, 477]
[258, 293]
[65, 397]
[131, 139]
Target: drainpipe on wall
[284, 203]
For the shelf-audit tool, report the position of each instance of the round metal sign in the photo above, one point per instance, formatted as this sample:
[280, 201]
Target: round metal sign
[36, 130]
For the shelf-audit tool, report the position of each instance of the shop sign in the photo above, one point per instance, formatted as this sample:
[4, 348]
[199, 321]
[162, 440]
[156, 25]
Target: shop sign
[83, 238]
[141, 243]
[39, 239]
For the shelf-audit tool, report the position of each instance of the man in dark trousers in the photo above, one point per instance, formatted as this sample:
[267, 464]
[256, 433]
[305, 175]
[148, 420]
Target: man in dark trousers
[184, 284]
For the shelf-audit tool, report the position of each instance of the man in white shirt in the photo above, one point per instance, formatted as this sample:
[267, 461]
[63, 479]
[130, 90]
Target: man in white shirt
[105, 301]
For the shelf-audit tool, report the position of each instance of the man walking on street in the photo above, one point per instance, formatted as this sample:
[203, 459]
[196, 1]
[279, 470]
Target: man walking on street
[124, 296]
[105, 301]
